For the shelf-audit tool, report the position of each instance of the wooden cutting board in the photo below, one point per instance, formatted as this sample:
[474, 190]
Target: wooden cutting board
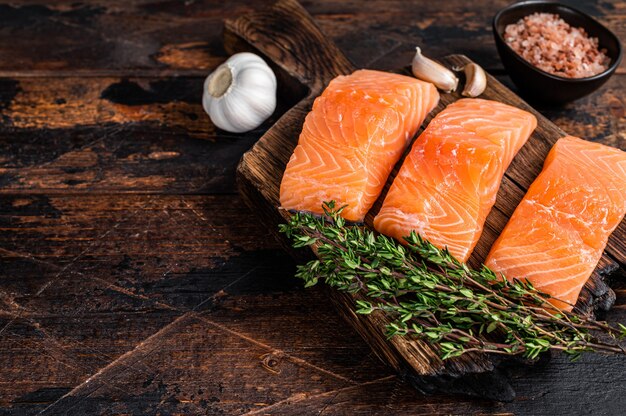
[305, 61]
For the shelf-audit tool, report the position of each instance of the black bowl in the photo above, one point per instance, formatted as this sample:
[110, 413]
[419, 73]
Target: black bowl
[537, 84]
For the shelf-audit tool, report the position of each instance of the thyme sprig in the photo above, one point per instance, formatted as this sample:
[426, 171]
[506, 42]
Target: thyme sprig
[430, 295]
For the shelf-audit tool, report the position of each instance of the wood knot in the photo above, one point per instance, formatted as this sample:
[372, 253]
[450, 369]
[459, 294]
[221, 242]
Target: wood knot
[270, 362]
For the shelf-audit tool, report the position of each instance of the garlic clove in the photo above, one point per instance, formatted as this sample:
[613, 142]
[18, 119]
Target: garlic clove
[247, 108]
[250, 78]
[428, 70]
[216, 111]
[475, 80]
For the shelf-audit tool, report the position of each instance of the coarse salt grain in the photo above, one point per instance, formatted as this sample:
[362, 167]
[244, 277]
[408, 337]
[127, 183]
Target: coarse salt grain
[549, 43]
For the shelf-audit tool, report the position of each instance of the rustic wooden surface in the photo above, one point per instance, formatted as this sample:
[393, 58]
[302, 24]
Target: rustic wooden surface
[132, 277]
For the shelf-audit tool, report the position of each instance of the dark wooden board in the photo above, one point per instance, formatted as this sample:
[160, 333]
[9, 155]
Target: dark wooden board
[287, 35]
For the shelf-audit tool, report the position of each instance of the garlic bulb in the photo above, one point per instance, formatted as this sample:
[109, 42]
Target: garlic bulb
[240, 94]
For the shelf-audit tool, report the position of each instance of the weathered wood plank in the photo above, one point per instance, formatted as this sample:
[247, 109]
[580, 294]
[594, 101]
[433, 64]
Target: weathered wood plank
[151, 135]
[47, 347]
[112, 134]
[173, 249]
[183, 38]
[111, 271]
[172, 103]
[117, 158]
[272, 367]
[148, 379]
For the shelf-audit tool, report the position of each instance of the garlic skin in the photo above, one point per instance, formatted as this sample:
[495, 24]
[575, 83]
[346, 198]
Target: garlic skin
[475, 80]
[428, 70]
[240, 94]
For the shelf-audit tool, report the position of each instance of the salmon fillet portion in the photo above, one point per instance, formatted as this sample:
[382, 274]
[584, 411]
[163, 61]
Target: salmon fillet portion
[448, 183]
[558, 232]
[354, 135]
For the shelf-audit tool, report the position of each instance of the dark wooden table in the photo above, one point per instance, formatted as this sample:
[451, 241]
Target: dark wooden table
[133, 280]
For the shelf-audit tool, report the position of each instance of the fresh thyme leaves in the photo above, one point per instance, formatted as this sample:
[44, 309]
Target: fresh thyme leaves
[430, 295]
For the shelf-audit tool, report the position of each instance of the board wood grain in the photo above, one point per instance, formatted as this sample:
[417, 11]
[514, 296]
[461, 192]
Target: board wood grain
[286, 35]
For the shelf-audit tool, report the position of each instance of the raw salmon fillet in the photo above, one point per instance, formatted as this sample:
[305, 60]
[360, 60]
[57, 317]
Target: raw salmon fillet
[558, 232]
[449, 181]
[354, 135]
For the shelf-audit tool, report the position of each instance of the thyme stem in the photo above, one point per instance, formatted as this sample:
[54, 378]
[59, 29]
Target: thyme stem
[429, 295]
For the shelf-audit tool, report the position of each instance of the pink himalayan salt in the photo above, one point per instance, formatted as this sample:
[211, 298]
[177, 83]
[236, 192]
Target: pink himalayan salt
[550, 44]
